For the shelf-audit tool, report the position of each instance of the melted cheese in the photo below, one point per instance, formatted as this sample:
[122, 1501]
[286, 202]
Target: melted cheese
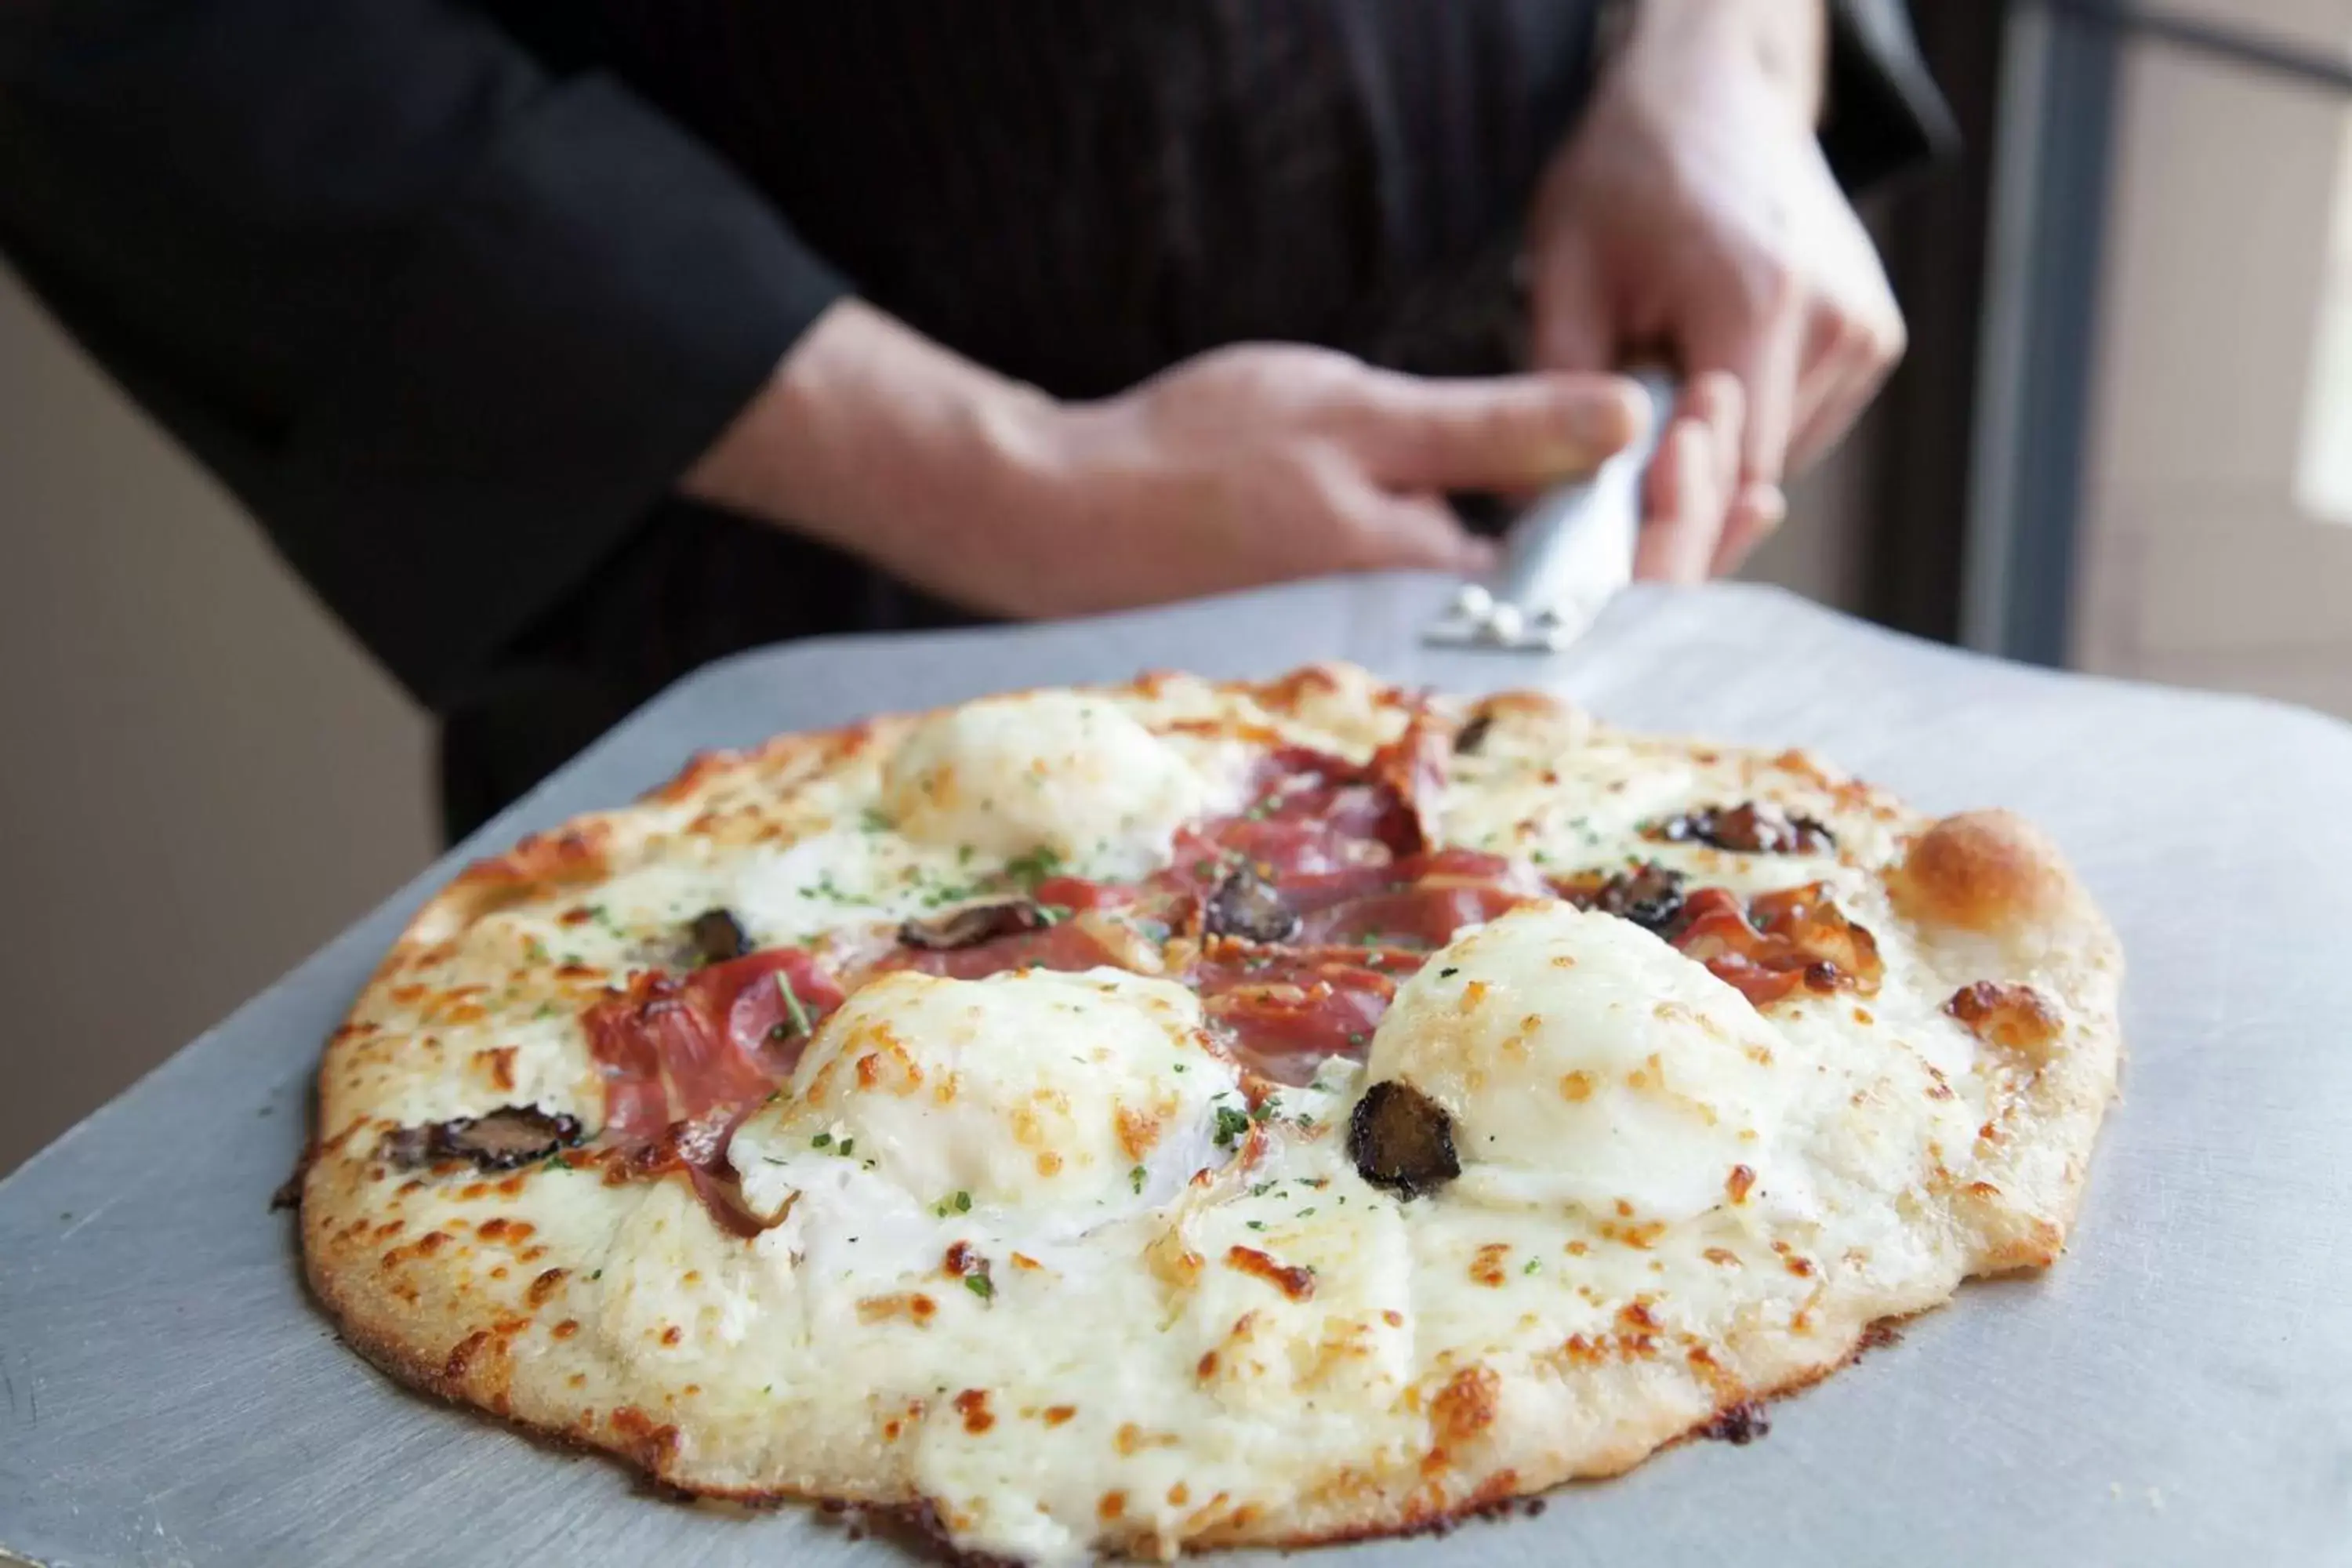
[1074, 1098]
[1065, 771]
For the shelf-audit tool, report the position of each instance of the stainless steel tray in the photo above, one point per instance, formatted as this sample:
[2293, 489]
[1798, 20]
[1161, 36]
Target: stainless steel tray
[2177, 1390]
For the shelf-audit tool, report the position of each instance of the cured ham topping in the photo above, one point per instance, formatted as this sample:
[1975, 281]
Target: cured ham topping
[1284, 1011]
[1759, 827]
[1779, 942]
[673, 1048]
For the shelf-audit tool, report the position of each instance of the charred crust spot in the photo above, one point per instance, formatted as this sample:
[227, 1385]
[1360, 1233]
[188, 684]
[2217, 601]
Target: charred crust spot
[1756, 827]
[1466, 1406]
[506, 1138]
[974, 924]
[1402, 1140]
[461, 1355]
[1246, 905]
[972, 1405]
[717, 936]
[1738, 1424]
[543, 1287]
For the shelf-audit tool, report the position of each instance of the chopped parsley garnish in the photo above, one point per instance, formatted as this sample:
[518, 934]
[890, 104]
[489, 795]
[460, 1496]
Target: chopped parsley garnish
[1261, 1189]
[1255, 1224]
[1034, 866]
[873, 821]
[848, 1147]
[801, 1025]
[1266, 1109]
[954, 1203]
[1534, 1266]
[1357, 1037]
[1448, 972]
[1054, 914]
[1231, 1125]
[979, 1285]
[821, 1140]
[1134, 1179]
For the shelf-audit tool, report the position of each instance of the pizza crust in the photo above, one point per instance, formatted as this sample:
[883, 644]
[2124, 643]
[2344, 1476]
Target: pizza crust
[614, 1313]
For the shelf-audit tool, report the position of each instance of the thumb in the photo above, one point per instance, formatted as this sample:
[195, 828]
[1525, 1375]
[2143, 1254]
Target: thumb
[1570, 326]
[1492, 433]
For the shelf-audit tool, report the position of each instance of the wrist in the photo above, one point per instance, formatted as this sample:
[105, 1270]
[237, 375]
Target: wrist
[1783, 42]
[873, 440]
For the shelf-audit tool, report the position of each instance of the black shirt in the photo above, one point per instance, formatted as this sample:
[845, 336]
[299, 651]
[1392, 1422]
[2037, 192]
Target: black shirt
[450, 294]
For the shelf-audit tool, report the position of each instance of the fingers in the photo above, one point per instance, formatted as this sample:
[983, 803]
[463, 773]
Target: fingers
[1570, 325]
[1693, 483]
[1385, 531]
[1855, 364]
[1758, 335]
[1499, 434]
[1755, 512]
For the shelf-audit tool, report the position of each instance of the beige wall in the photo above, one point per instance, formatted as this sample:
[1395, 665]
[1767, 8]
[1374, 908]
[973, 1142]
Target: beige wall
[2228, 282]
[202, 779]
[205, 778]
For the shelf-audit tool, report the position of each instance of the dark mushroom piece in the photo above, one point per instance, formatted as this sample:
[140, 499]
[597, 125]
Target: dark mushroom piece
[1402, 1140]
[1246, 905]
[1650, 897]
[718, 936]
[510, 1136]
[1756, 827]
[974, 924]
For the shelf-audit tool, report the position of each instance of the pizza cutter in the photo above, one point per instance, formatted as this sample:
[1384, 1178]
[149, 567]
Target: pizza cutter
[1566, 557]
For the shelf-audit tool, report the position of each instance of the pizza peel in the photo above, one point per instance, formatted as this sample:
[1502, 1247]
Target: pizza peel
[2177, 1390]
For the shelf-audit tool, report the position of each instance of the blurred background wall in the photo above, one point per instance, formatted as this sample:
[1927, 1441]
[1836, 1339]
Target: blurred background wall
[2123, 441]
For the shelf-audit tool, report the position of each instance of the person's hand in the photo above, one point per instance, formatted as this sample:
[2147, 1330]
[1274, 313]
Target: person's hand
[1692, 213]
[1249, 465]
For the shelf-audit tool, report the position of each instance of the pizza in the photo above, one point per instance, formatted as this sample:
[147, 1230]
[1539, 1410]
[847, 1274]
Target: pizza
[1181, 1114]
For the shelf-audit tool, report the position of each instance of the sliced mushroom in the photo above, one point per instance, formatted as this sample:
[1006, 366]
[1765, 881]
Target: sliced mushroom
[718, 936]
[1650, 897]
[1246, 905]
[510, 1136]
[1756, 827]
[1403, 1139]
[975, 924]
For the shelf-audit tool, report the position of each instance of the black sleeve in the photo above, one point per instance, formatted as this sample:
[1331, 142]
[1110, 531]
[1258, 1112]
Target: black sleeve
[1881, 113]
[448, 322]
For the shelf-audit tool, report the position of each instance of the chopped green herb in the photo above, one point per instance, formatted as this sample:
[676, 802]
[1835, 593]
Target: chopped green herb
[1054, 914]
[1255, 1224]
[964, 853]
[1534, 1266]
[1135, 1178]
[1448, 972]
[873, 821]
[979, 1285]
[1033, 868]
[1304, 1213]
[821, 1140]
[547, 1010]
[770, 1159]
[1261, 1189]
[598, 1273]
[800, 1017]
[1358, 1038]
[848, 1147]
[1231, 1125]
[1177, 1067]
